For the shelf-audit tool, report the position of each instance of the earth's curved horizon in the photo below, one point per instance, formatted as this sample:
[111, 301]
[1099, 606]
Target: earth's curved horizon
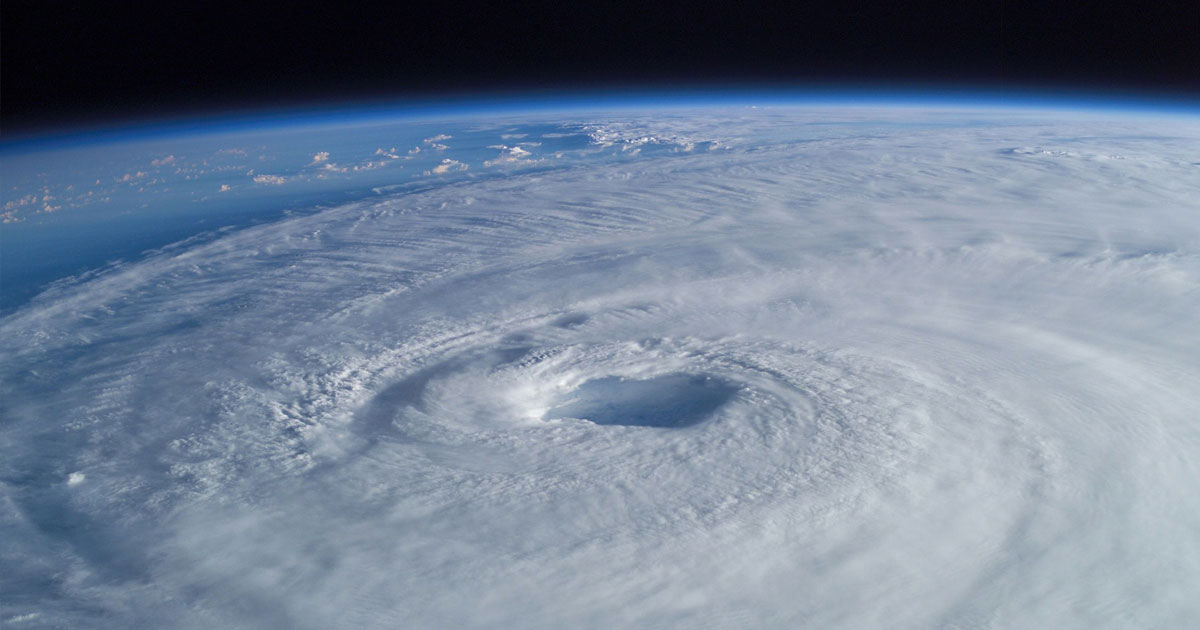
[739, 362]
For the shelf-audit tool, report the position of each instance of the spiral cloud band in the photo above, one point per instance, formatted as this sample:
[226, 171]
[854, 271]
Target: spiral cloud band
[783, 368]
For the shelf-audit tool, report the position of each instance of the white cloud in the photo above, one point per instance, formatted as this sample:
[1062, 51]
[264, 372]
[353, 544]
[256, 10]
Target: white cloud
[224, 188]
[372, 165]
[437, 138]
[447, 166]
[270, 179]
[170, 159]
[510, 156]
[322, 156]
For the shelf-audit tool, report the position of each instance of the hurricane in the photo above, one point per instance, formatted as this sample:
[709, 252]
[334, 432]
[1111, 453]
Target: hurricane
[711, 367]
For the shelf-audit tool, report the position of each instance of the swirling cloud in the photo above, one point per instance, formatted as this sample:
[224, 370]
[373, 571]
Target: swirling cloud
[858, 373]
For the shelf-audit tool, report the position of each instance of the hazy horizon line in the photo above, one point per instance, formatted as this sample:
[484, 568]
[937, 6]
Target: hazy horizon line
[465, 102]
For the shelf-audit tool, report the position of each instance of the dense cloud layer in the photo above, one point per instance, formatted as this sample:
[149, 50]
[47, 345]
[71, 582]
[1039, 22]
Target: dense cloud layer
[873, 369]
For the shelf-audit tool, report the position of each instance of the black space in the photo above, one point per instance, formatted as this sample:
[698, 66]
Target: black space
[70, 62]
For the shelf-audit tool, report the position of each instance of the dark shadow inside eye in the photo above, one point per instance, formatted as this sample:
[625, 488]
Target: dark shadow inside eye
[671, 401]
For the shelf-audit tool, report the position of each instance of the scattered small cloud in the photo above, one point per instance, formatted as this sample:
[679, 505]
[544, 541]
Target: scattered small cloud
[510, 156]
[76, 478]
[270, 179]
[170, 159]
[370, 165]
[435, 142]
[321, 156]
[24, 201]
[447, 166]
[224, 188]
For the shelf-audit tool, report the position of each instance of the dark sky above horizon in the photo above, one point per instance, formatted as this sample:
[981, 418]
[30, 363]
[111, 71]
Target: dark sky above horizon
[68, 62]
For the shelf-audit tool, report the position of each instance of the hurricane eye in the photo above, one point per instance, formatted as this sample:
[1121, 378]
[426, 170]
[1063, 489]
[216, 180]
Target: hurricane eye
[673, 401]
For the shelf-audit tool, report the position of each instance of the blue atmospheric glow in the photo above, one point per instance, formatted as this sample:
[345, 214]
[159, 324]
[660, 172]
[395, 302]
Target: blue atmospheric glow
[372, 111]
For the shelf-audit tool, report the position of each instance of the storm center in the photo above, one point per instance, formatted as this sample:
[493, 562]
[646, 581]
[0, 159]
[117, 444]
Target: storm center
[672, 401]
